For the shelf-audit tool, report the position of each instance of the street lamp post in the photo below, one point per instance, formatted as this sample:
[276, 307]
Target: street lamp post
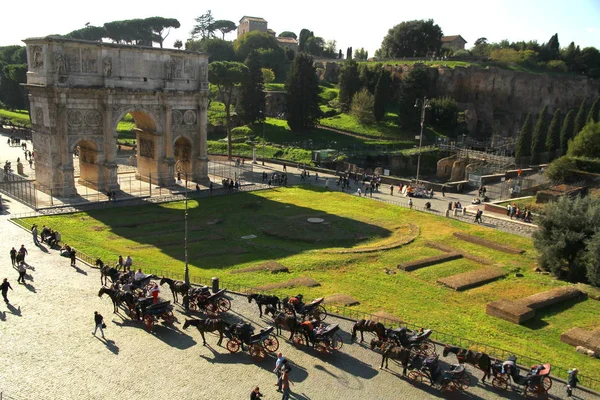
[424, 105]
[263, 157]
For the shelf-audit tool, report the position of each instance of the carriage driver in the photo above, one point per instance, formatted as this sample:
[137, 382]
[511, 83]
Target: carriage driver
[139, 275]
[510, 367]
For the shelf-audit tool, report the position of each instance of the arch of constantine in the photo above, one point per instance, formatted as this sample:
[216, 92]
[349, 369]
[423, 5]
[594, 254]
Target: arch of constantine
[80, 90]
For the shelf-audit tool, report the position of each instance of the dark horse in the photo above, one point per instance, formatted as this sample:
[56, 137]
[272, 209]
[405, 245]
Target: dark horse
[264, 300]
[107, 271]
[479, 360]
[176, 287]
[282, 319]
[208, 325]
[118, 297]
[390, 350]
[367, 325]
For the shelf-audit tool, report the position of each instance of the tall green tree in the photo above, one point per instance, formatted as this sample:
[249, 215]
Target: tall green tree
[217, 49]
[587, 142]
[349, 83]
[579, 119]
[594, 113]
[302, 87]
[553, 136]
[381, 94]
[523, 148]
[161, 27]
[90, 32]
[224, 26]
[203, 26]
[551, 50]
[593, 260]
[305, 34]
[539, 135]
[566, 131]
[13, 70]
[417, 38]
[252, 96]
[413, 87]
[227, 75]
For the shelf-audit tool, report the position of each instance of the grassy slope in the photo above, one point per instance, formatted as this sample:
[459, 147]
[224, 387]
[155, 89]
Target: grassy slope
[19, 117]
[413, 296]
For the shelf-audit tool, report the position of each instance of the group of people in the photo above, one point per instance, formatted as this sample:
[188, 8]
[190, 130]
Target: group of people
[282, 370]
[514, 211]
[230, 184]
[125, 263]
[279, 179]
[51, 237]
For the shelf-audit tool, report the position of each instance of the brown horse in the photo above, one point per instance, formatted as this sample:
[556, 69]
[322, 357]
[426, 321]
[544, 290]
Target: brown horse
[390, 350]
[176, 287]
[208, 325]
[367, 325]
[118, 297]
[476, 359]
[282, 319]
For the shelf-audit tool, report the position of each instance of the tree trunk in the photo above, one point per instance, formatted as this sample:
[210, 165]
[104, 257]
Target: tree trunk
[228, 124]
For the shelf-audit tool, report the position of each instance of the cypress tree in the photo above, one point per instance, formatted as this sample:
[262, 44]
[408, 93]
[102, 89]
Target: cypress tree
[524, 143]
[553, 136]
[566, 132]
[593, 115]
[579, 120]
[302, 87]
[349, 83]
[252, 96]
[539, 136]
[381, 94]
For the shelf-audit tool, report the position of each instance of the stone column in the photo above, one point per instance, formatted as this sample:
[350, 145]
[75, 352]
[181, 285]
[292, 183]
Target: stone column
[65, 179]
[168, 160]
[110, 179]
[200, 163]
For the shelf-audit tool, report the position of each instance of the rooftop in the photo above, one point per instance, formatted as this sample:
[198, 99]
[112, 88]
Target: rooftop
[451, 38]
[287, 40]
[257, 19]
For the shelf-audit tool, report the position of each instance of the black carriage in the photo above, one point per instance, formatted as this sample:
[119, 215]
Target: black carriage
[214, 304]
[325, 342]
[258, 344]
[416, 341]
[425, 369]
[150, 313]
[313, 310]
[537, 381]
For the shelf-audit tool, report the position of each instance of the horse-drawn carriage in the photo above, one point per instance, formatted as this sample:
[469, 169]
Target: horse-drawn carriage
[325, 341]
[201, 299]
[150, 313]
[426, 369]
[258, 344]
[416, 341]
[313, 310]
[537, 381]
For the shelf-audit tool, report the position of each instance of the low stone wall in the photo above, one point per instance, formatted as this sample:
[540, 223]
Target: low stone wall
[426, 262]
[472, 279]
[550, 297]
[509, 311]
[488, 243]
[581, 337]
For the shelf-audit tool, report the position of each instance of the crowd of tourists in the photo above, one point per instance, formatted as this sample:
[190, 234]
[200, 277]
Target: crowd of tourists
[523, 214]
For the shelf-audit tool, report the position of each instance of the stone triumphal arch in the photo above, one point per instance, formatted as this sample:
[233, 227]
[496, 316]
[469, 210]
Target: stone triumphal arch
[80, 90]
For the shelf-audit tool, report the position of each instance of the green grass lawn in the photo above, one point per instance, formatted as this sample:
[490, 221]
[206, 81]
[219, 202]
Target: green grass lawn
[153, 234]
[525, 202]
[18, 117]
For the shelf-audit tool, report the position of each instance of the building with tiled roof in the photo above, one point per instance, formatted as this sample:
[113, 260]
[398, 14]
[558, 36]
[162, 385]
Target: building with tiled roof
[455, 42]
[249, 24]
[288, 43]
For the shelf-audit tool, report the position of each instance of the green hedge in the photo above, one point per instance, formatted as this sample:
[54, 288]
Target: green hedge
[587, 164]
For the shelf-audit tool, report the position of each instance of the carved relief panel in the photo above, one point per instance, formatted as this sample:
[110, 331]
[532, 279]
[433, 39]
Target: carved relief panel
[89, 63]
[37, 57]
[80, 121]
[184, 119]
[146, 148]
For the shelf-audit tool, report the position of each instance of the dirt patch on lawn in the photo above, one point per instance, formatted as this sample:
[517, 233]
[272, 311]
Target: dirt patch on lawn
[273, 266]
[488, 243]
[340, 298]
[300, 281]
[468, 256]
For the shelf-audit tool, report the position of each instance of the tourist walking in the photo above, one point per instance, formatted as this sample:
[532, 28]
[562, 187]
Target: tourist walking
[279, 365]
[72, 257]
[572, 381]
[410, 203]
[22, 253]
[255, 394]
[285, 382]
[4, 288]
[13, 256]
[478, 216]
[99, 321]
[34, 233]
[391, 190]
[128, 264]
[22, 269]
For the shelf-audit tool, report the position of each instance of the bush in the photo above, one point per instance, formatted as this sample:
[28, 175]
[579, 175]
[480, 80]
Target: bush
[444, 112]
[561, 170]
[587, 142]
[557, 66]
[461, 53]
[587, 164]
[363, 103]
[329, 95]
[241, 131]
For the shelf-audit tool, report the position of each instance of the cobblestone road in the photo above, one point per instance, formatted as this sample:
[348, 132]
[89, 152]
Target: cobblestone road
[50, 353]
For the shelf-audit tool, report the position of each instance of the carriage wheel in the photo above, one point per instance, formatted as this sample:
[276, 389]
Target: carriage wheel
[336, 342]
[298, 339]
[212, 308]
[416, 377]
[536, 392]
[546, 383]
[224, 304]
[500, 383]
[428, 349]
[323, 348]
[193, 305]
[464, 382]
[257, 352]
[233, 345]
[168, 317]
[320, 313]
[148, 322]
[271, 344]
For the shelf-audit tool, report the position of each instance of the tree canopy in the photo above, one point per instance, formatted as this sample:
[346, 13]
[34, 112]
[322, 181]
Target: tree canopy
[302, 87]
[13, 70]
[418, 38]
[587, 142]
[204, 26]
[523, 148]
[288, 34]
[349, 84]
[224, 26]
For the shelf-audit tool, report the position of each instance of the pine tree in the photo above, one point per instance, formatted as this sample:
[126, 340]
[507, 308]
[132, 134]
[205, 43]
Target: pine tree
[539, 136]
[349, 83]
[594, 114]
[302, 99]
[553, 136]
[524, 143]
[381, 94]
[579, 120]
[252, 96]
[566, 132]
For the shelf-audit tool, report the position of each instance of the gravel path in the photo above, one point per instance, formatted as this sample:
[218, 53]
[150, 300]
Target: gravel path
[50, 353]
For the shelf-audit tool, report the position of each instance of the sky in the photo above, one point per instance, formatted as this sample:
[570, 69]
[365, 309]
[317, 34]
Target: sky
[349, 23]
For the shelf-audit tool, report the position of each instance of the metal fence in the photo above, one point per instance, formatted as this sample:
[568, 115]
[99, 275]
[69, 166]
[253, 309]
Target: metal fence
[18, 187]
